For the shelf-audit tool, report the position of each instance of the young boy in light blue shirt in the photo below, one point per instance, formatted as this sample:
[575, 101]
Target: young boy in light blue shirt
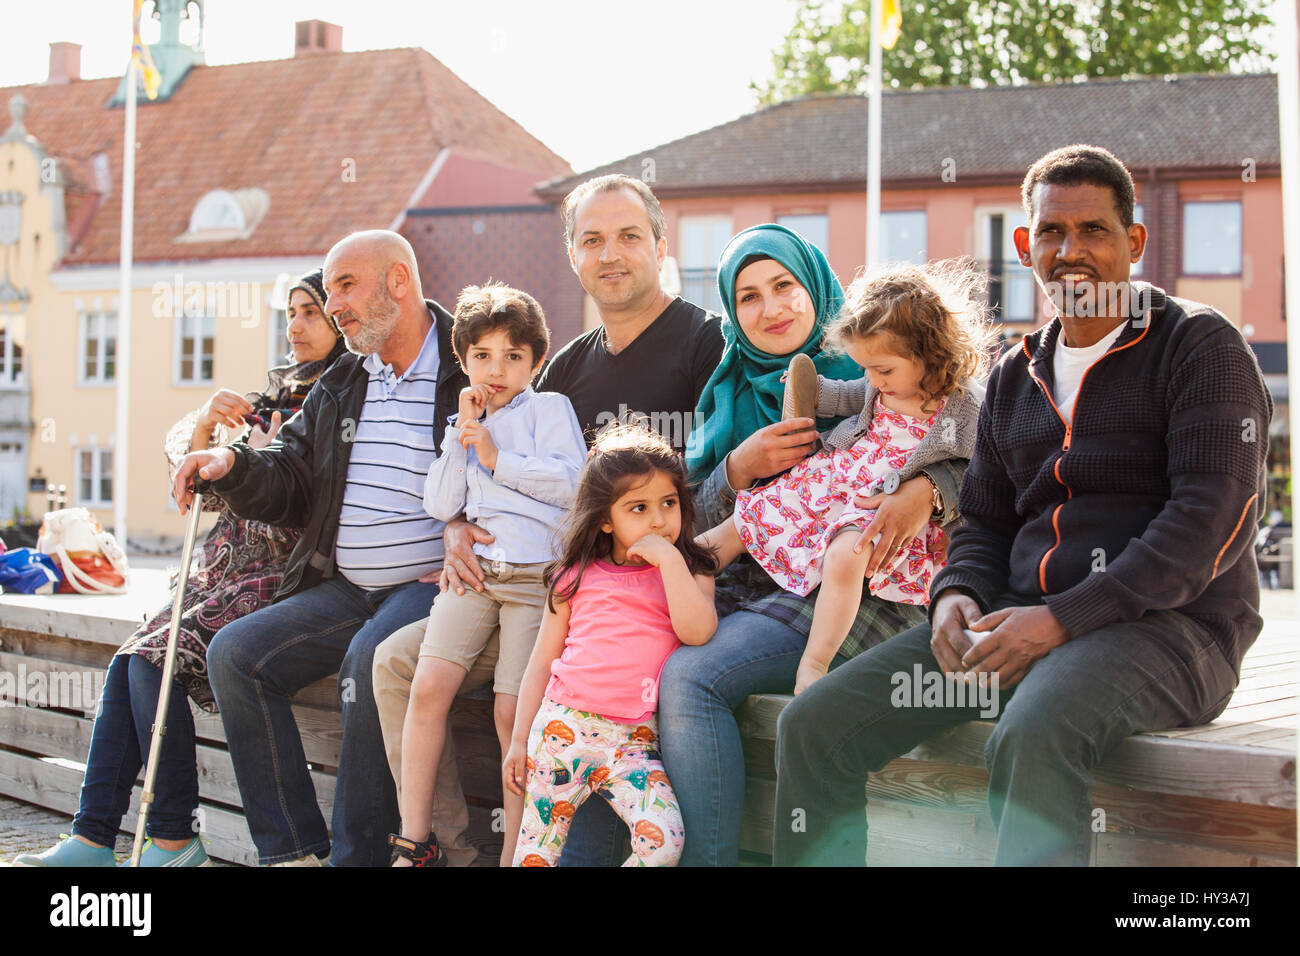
[510, 463]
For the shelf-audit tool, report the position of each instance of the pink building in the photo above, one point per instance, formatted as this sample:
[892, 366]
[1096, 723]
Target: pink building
[1203, 150]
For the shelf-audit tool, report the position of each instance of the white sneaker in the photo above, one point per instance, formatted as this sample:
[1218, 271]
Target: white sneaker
[311, 859]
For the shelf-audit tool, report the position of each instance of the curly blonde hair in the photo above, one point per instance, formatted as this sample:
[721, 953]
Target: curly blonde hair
[935, 314]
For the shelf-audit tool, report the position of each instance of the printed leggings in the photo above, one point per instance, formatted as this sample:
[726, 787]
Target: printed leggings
[572, 754]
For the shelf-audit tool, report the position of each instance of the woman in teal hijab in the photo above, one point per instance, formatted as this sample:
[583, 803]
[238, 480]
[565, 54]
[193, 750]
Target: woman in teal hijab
[745, 392]
[779, 293]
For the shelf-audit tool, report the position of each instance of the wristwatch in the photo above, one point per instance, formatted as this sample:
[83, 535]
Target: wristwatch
[936, 499]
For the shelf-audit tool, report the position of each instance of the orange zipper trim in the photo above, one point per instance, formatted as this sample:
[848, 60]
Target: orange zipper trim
[1214, 572]
[1065, 445]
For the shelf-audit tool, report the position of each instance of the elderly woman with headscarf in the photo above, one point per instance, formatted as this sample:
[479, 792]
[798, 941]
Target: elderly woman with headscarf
[239, 572]
[779, 293]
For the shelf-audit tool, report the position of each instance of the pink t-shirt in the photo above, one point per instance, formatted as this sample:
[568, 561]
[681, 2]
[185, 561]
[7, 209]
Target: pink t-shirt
[620, 635]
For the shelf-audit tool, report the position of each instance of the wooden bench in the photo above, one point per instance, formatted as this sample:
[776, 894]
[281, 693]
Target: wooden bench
[70, 639]
[1219, 795]
[1224, 794]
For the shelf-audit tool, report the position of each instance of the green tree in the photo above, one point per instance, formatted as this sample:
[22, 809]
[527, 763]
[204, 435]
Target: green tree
[963, 43]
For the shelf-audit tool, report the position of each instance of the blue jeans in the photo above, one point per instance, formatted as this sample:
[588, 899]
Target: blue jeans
[1072, 708]
[257, 663]
[119, 747]
[699, 689]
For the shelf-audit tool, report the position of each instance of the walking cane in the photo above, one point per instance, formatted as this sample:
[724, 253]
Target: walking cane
[169, 668]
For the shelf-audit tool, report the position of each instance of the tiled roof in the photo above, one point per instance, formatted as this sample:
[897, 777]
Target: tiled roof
[286, 126]
[817, 141]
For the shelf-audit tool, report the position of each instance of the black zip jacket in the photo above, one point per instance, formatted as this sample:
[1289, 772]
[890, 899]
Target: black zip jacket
[299, 479]
[1148, 500]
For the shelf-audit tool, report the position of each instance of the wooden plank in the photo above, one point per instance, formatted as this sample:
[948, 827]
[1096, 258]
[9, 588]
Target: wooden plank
[225, 834]
[1121, 849]
[1145, 761]
[1212, 824]
[50, 682]
[89, 671]
[27, 644]
[321, 731]
[1254, 733]
[51, 734]
[904, 835]
[939, 786]
[45, 732]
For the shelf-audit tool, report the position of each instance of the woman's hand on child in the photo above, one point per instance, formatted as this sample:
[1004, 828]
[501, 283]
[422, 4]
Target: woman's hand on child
[771, 450]
[900, 517]
[514, 769]
[652, 549]
[475, 433]
[473, 400]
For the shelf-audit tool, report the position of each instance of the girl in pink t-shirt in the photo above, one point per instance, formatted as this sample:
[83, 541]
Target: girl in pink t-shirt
[630, 587]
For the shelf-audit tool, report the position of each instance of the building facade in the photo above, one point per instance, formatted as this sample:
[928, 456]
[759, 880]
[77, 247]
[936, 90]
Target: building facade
[240, 185]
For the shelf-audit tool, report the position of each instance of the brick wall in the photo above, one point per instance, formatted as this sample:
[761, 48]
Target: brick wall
[521, 246]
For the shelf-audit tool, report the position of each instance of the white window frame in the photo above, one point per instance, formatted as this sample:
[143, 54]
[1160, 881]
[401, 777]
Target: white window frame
[706, 221]
[182, 324]
[277, 348]
[925, 235]
[99, 319]
[1188, 233]
[8, 377]
[791, 220]
[97, 475]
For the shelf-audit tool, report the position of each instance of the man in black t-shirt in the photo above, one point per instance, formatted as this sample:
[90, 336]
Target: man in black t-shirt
[652, 354]
[650, 358]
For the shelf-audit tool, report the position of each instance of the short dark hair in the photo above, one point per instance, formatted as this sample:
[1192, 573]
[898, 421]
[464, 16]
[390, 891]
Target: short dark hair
[482, 309]
[607, 184]
[1077, 165]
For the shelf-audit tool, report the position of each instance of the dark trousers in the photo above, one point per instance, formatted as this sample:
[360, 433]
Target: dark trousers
[1055, 726]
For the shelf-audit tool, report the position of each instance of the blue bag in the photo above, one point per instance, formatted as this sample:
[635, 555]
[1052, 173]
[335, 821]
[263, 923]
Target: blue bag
[26, 571]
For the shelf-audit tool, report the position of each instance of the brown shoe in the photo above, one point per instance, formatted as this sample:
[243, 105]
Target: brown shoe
[800, 389]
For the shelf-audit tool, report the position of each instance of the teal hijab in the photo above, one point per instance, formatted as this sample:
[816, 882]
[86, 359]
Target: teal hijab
[745, 392]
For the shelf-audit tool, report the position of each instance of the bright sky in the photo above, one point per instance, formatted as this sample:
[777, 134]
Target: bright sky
[594, 81]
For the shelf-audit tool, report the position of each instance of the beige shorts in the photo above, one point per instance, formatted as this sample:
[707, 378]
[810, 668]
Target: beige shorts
[460, 625]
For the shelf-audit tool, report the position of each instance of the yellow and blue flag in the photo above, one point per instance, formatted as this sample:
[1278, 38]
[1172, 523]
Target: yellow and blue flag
[140, 54]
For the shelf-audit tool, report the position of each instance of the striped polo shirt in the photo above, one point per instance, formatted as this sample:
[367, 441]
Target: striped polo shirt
[385, 538]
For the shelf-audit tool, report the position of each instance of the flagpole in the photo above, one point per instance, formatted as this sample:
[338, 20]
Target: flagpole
[121, 446]
[873, 139]
[1288, 103]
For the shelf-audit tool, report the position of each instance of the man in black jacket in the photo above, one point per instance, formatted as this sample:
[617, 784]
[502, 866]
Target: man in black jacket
[1104, 583]
[350, 469]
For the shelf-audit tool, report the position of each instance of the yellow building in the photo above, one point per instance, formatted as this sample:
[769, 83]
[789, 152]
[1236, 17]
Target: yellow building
[245, 176]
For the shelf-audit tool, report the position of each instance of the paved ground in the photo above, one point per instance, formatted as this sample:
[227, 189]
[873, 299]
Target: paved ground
[25, 829]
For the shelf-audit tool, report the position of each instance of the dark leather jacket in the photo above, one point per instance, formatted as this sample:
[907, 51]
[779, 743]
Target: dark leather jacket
[300, 478]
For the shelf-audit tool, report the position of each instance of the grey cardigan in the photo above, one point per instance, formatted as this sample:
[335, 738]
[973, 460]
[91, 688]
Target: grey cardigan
[951, 436]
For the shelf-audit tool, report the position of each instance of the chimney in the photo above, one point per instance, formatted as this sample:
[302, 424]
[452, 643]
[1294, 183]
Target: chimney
[65, 62]
[317, 36]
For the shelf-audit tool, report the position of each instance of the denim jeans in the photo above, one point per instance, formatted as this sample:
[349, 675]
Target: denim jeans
[119, 748]
[257, 663]
[699, 689]
[1056, 725]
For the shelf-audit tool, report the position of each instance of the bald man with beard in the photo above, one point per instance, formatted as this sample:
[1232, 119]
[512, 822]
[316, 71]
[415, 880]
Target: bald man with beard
[349, 468]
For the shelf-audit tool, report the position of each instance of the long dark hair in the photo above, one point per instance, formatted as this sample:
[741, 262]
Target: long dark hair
[623, 456]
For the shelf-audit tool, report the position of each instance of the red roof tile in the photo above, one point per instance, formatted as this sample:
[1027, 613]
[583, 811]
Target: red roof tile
[286, 126]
